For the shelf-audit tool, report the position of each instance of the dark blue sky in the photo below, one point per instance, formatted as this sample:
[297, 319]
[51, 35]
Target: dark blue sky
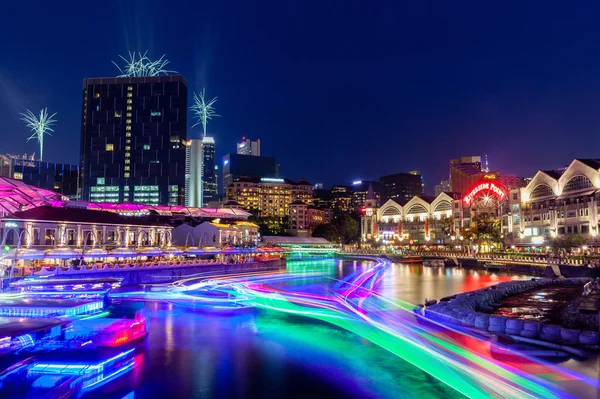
[336, 90]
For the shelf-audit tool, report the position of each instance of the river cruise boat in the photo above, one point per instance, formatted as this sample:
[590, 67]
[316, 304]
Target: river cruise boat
[434, 263]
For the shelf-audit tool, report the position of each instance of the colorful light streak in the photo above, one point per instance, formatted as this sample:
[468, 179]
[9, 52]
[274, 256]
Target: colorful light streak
[461, 361]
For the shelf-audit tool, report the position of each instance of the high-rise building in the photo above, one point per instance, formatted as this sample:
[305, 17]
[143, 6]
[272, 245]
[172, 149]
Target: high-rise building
[249, 147]
[133, 140]
[210, 188]
[443, 187]
[193, 173]
[360, 190]
[236, 166]
[58, 177]
[401, 187]
[464, 172]
[269, 196]
[341, 199]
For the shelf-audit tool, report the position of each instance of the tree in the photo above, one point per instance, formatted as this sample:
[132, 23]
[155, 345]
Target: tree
[568, 242]
[448, 226]
[343, 229]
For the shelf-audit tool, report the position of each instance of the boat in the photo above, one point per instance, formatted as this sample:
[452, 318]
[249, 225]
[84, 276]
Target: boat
[411, 259]
[496, 266]
[434, 263]
[65, 374]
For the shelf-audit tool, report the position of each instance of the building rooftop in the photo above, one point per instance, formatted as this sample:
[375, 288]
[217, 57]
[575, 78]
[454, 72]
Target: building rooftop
[271, 180]
[552, 173]
[468, 168]
[17, 196]
[134, 79]
[295, 240]
[592, 163]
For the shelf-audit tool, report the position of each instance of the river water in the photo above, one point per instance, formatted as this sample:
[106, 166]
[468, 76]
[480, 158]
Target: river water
[268, 354]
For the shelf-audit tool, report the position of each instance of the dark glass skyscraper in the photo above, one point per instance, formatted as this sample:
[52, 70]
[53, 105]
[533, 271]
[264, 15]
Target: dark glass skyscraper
[133, 138]
[58, 177]
[210, 189]
[236, 166]
[401, 187]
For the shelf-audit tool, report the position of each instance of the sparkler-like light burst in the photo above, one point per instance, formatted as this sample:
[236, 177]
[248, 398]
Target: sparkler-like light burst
[39, 126]
[139, 64]
[203, 110]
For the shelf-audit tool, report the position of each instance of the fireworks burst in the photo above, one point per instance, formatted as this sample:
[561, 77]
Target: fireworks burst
[203, 110]
[39, 126]
[139, 64]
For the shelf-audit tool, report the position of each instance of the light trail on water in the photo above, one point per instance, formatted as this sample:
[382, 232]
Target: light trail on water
[452, 356]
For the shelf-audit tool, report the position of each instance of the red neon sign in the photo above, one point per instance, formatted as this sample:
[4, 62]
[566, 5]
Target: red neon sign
[494, 188]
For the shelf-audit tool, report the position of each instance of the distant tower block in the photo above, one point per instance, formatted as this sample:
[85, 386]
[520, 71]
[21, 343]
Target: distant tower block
[249, 147]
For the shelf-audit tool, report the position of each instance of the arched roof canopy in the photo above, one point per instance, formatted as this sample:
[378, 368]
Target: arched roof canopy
[580, 167]
[390, 209]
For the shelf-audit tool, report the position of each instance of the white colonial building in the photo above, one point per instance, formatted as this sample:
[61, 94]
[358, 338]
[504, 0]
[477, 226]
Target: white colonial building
[555, 203]
[420, 220]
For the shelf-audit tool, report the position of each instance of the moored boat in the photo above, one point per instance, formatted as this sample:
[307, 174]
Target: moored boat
[492, 265]
[434, 263]
[411, 259]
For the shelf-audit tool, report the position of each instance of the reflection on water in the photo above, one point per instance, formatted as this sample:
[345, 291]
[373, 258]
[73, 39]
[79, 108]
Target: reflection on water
[267, 354]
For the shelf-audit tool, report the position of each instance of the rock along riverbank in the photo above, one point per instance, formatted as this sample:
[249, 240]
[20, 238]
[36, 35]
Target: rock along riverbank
[472, 309]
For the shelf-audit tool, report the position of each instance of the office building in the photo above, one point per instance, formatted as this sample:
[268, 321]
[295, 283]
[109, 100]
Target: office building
[249, 147]
[341, 199]
[193, 173]
[466, 171]
[210, 188]
[236, 166]
[133, 140]
[58, 177]
[268, 196]
[201, 172]
[360, 191]
[443, 187]
[401, 187]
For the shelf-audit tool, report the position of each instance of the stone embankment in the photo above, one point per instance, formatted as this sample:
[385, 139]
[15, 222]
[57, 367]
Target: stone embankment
[472, 309]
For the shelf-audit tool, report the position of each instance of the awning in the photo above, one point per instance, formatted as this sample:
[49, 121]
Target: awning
[571, 194]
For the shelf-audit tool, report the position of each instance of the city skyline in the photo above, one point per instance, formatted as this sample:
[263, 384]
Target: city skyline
[476, 103]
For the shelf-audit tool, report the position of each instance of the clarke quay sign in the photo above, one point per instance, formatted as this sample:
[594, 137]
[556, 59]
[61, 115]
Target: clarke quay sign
[485, 186]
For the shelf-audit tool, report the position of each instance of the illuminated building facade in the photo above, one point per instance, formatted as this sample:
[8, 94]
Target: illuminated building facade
[61, 178]
[133, 137]
[237, 166]
[422, 220]
[303, 218]
[341, 199]
[443, 187]
[249, 147]
[401, 187]
[268, 196]
[193, 173]
[554, 204]
[210, 188]
[360, 191]
[464, 172]
[201, 184]
[49, 227]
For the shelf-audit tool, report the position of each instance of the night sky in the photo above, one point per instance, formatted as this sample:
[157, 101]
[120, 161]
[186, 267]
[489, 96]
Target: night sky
[336, 90]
